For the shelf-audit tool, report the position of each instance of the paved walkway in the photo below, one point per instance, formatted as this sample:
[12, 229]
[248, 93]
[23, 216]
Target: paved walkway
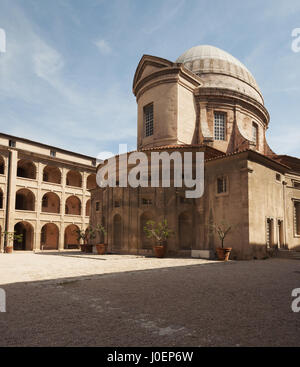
[129, 301]
[28, 266]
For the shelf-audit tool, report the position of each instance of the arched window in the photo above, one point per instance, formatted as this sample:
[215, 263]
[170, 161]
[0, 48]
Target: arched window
[73, 205]
[91, 182]
[74, 179]
[49, 237]
[71, 236]
[26, 169]
[50, 203]
[52, 174]
[25, 200]
[26, 229]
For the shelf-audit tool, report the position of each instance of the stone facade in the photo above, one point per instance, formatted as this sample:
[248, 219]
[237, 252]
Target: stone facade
[44, 193]
[261, 189]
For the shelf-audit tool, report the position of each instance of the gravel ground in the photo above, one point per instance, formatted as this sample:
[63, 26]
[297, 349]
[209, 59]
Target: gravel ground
[82, 300]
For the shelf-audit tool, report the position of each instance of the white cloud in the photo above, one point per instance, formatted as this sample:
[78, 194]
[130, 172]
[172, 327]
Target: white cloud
[103, 46]
[47, 62]
[47, 105]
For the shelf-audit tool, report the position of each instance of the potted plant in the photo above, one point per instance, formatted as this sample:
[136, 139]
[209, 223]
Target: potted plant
[10, 237]
[81, 236]
[222, 230]
[160, 232]
[85, 235]
[101, 247]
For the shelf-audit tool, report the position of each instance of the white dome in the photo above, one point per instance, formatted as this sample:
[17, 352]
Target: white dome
[206, 59]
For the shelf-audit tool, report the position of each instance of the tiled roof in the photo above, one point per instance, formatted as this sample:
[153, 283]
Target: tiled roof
[252, 152]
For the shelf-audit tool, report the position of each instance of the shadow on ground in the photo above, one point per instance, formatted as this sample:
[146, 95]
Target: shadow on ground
[229, 304]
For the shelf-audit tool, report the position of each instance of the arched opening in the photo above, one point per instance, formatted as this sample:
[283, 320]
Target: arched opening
[74, 179]
[145, 243]
[73, 205]
[1, 199]
[185, 230]
[50, 203]
[52, 174]
[117, 232]
[26, 230]
[91, 182]
[26, 169]
[49, 237]
[1, 165]
[88, 208]
[71, 237]
[25, 200]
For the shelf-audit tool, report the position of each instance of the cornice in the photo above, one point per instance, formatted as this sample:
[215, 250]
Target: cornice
[223, 93]
[175, 72]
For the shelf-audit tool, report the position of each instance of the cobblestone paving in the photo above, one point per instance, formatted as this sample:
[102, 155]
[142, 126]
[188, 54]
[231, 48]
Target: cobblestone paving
[82, 300]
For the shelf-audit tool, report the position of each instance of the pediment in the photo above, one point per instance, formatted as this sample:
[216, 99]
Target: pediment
[148, 65]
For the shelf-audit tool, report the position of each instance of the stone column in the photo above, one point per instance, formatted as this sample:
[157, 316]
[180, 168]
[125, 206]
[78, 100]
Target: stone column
[38, 206]
[61, 241]
[12, 191]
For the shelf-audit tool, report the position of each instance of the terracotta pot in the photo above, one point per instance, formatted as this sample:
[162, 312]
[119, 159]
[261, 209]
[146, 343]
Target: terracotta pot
[82, 248]
[159, 251]
[8, 249]
[223, 253]
[101, 248]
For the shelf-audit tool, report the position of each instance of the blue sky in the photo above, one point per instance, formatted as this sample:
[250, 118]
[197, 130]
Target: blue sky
[66, 78]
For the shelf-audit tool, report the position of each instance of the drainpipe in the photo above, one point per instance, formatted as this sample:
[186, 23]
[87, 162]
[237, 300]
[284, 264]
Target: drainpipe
[7, 198]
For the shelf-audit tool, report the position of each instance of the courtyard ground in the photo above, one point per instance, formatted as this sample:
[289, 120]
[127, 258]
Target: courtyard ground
[74, 299]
